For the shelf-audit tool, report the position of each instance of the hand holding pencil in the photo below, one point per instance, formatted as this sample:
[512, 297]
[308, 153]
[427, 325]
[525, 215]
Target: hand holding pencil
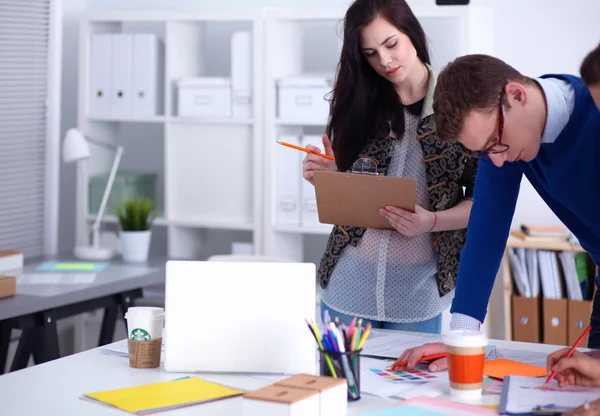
[573, 368]
[315, 161]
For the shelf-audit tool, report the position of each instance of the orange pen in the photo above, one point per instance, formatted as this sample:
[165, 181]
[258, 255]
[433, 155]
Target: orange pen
[304, 149]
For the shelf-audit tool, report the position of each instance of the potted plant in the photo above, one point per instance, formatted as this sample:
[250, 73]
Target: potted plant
[135, 217]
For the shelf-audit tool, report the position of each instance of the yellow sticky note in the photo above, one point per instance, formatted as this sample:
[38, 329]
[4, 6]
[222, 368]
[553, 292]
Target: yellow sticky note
[168, 394]
[503, 367]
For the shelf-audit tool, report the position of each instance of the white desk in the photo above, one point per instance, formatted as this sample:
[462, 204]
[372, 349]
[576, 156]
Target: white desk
[55, 387]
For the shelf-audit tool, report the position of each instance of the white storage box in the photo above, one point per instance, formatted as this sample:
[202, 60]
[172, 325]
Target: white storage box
[304, 98]
[204, 97]
[275, 400]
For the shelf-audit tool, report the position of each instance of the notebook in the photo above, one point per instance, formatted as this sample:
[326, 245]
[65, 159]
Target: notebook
[502, 367]
[167, 395]
[523, 395]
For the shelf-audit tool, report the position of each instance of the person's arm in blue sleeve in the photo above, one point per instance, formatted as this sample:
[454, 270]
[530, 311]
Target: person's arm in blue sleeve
[495, 197]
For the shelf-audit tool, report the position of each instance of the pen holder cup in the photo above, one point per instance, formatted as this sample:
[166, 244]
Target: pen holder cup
[342, 365]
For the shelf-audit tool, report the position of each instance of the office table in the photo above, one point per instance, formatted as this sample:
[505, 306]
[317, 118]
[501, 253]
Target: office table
[55, 387]
[36, 307]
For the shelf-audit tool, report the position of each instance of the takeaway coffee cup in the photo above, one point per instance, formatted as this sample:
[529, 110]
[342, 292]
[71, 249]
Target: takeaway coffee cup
[466, 357]
[144, 335]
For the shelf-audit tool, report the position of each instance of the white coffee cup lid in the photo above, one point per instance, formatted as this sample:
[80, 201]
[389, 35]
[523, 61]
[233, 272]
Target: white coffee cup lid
[465, 338]
[145, 312]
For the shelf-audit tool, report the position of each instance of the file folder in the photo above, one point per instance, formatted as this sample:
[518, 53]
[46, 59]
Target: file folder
[121, 69]
[147, 62]
[100, 75]
[555, 321]
[526, 319]
[579, 313]
[354, 199]
[287, 183]
[309, 216]
[241, 74]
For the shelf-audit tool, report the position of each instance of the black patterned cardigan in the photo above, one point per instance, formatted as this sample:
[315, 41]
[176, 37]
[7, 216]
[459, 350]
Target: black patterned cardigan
[448, 170]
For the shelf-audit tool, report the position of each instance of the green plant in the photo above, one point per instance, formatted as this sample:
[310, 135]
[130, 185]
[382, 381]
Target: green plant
[135, 214]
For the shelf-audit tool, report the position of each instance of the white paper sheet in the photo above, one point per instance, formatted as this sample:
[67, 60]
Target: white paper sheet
[56, 278]
[391, 345]
[524, 395]
[527, 357]
[119, 349]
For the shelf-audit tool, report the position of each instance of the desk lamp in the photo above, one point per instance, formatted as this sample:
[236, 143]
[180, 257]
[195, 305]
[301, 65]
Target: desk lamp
[76, 148]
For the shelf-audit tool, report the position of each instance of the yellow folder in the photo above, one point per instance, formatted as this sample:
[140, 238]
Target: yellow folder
[166, 395]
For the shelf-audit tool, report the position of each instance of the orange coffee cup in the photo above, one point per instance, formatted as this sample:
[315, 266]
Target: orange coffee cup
[466, 357]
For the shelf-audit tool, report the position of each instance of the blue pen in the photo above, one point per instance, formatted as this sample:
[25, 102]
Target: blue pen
[332, 340]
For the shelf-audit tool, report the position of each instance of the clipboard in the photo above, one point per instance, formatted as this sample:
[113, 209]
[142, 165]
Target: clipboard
[354, 199]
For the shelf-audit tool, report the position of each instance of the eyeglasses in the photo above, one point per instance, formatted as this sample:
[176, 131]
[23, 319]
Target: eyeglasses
[497, 146]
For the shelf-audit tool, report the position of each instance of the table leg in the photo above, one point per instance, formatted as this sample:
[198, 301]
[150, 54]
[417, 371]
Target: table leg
[5, 328]
[49, 340]
[107, 331]
[25, 347]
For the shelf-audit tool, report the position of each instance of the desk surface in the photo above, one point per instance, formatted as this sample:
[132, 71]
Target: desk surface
[58, 385]
[116, 278]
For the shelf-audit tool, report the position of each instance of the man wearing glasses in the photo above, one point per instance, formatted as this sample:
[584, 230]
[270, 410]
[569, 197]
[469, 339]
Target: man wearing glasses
[547, 129]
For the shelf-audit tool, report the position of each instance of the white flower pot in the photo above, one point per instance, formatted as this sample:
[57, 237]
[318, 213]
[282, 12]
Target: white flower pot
[135, 245]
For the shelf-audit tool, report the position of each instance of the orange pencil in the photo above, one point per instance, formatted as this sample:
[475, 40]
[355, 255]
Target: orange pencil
[423, 359]
[304, 149]
[570, 353]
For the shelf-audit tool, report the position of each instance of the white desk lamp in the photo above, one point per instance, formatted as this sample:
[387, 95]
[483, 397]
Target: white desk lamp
[75, 148]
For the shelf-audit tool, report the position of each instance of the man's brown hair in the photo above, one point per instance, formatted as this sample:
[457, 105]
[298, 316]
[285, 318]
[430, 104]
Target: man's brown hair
[590, 67]
[471, 82]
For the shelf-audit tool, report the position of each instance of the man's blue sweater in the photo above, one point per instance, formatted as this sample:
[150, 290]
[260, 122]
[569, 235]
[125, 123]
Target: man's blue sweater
[566, 174]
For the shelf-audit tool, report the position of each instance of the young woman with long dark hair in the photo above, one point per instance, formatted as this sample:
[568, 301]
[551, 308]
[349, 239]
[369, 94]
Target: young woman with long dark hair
[382, 109]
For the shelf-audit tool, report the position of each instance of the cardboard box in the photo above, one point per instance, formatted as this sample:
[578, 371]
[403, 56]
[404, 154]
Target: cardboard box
[204, 97]
[578, 319]
[555, 321]
[8, 286]
[526, 319]
[275, 400]
[333, 392]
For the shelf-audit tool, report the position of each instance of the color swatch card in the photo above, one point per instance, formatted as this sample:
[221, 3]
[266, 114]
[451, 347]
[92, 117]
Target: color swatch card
[410, 376]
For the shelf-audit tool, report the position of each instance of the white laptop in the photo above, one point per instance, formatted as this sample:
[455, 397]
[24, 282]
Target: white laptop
[244, 317]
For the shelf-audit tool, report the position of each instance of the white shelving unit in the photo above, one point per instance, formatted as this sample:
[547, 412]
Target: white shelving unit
[219, 173]
[209, 168]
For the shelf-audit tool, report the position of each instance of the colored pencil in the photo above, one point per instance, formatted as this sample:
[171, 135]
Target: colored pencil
[570, 352]
[303, 149]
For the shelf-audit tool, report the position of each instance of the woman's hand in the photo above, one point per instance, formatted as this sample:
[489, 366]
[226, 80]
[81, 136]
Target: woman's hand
[413, 355]
[577, 370]
[312, 163]
[409, 223]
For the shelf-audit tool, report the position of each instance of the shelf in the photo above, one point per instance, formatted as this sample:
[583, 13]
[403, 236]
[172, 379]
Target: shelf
[303, 230]
[113, 219]
[210, 120]
[221, 224]
[132, 119]
[514, 242]
[316, 123]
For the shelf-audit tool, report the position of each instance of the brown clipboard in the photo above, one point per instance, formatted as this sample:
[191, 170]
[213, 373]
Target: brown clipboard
[354, 199]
